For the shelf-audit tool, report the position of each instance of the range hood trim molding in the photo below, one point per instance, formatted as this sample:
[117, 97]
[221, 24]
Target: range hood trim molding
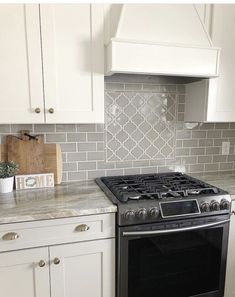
[170, 44]
[128, 56]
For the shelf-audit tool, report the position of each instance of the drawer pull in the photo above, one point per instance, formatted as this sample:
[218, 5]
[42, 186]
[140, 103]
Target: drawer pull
[10, 236]
[56, 261]
[82, 228]
[41, 263]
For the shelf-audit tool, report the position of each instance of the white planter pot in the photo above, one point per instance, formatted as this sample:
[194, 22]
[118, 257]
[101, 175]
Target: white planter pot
[6, 184]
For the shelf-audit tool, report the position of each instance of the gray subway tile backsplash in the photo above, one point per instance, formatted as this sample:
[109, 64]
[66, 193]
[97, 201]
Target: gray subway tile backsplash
[41, 128]
[68, 147]
[86, 165]
[70, 166]
[56, 137]
[16, 128]
[65, 128]
[5, 128]
[204, 159]
[150, 141]
[86, 128]
[87, 147]
[80, 156]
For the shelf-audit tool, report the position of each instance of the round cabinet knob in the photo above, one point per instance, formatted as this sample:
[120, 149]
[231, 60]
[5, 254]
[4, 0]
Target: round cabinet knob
[37, 110]
[205, 207]
[142, 213]
[51, 110]
[56, 261]
[224, 204]
[154, 212]
[129, 215]
[41, 263]
[215, 206]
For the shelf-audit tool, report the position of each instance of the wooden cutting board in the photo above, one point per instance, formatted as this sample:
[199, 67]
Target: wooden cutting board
[53, 161]
[29, 154]
[33, 155]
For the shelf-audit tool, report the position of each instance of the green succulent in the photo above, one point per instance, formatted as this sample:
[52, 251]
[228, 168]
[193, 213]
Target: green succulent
[8, 169]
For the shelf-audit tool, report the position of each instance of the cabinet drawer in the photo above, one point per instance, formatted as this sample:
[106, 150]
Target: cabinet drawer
[56, 231]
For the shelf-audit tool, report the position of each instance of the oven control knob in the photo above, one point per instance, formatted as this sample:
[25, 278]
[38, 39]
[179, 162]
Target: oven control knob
[224, 204]
[154, 212]
[205, 207]
[142, 213]
[129, 215]
[215, 206]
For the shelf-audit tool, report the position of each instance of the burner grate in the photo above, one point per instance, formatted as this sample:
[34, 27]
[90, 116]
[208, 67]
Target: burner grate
[156, 186]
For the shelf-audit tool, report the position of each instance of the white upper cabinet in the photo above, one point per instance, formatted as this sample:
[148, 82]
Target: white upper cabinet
[216, 103]
[51, 63]
[72, 49]
[21, 87]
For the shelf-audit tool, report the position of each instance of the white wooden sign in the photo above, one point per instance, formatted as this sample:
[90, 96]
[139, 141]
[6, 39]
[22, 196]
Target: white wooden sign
[33, 181]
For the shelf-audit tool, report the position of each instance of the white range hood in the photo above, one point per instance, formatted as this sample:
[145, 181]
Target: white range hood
[161, 39]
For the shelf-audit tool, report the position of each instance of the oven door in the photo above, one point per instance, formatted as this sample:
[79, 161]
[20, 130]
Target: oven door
[175, 259]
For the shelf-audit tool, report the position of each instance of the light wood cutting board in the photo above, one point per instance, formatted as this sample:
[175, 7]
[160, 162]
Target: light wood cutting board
[29, 154]
[33, 156]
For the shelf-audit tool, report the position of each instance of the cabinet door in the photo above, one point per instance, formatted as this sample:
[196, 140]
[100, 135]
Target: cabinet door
[21, 88]
[221, 104]
[230, 272]
[86, 269]
[21, 275]
[72, 46]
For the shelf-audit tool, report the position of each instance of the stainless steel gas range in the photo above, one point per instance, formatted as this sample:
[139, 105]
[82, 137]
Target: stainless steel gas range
[172, 234]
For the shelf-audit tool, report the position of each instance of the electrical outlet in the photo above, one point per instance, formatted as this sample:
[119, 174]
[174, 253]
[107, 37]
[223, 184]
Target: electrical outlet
[225, 148]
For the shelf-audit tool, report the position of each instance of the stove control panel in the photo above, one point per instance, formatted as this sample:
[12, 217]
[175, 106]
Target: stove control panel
[143, 211]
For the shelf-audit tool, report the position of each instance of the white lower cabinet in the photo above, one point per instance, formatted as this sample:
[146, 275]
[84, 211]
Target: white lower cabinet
[230, 272]
[85, 269]
[82, 268]
[21, 274]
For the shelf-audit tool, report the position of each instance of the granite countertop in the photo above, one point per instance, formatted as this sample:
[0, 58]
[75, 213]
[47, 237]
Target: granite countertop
[78, 199]
[65, 200]
[221, 179]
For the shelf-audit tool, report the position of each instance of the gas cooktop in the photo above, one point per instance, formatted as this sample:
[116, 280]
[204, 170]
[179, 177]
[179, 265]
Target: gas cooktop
[156, 186]
[161, 196]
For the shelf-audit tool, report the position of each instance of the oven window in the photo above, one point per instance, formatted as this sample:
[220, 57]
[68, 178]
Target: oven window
[175, 265]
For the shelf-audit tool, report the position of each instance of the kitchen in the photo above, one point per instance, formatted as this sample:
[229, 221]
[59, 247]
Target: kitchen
[134, 117]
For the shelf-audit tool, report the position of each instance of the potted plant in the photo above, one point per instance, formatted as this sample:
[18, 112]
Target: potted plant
[7, 172]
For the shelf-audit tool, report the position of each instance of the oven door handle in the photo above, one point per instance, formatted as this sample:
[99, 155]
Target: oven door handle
[136, 233]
